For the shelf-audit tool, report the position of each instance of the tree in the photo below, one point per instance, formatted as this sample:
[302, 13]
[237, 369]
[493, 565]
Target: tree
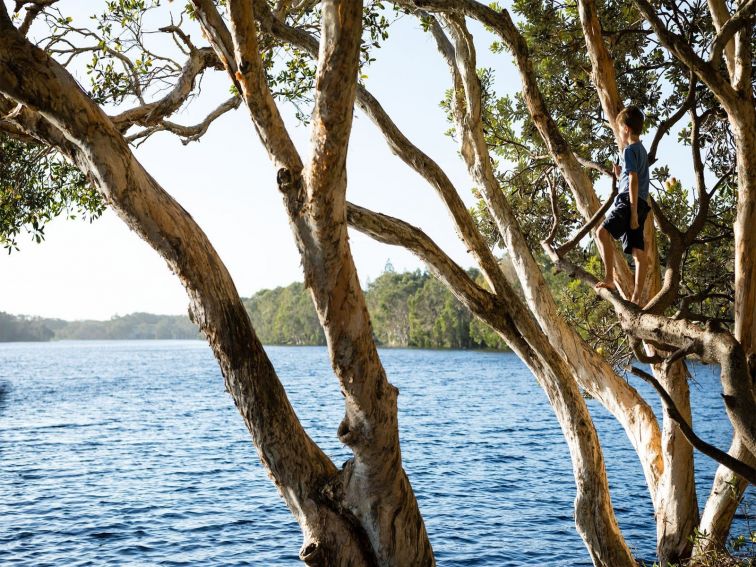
[365, 513]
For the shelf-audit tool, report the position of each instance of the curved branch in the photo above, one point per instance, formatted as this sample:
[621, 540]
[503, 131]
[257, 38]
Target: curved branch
[152, 113]
[592, 222]
[396, 232]
[665, 126]
[735, 465]
[742, 17]
[188, 133]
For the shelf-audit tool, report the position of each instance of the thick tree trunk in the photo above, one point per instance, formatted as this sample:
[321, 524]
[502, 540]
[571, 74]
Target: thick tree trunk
[744, 128]
[372, 488]
[676, 505]
[375, 488]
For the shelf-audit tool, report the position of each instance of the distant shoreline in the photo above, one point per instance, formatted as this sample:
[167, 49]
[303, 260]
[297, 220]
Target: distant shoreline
[407, 310]
[202, 340]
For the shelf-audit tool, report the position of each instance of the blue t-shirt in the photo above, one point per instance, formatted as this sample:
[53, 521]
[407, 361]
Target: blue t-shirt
[635, 159]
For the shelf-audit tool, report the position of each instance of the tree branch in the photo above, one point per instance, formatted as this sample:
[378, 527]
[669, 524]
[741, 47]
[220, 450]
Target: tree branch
[602, 66]
[592, 222]
[742, 17]
[189, 133]
[680, 48]
[735, 465]
[152, 113]
[665, 126]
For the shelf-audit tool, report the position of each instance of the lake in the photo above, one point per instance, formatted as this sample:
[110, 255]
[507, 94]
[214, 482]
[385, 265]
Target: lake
[132, 453]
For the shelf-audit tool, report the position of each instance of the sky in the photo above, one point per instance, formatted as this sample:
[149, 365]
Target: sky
[101, 269]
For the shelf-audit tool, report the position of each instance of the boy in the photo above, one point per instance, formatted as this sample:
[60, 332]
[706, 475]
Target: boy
[627, 216]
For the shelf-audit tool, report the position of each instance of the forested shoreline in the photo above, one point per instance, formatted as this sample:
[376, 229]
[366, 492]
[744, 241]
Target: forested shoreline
[408, 309]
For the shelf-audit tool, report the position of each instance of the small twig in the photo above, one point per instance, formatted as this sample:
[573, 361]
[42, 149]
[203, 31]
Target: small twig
[597, 216]
[665, 126]
[637, 348]
[735, 465]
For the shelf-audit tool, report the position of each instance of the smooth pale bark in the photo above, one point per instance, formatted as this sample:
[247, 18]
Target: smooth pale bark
[602, 67]
[301, 472]
[676, 506]
[719, 16]
[405, 150]
[744, 129]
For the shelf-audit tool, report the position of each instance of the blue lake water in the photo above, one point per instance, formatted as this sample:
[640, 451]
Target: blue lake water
[132, 453]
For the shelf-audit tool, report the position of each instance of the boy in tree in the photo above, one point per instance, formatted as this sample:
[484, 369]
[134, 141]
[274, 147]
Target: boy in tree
[627, 216]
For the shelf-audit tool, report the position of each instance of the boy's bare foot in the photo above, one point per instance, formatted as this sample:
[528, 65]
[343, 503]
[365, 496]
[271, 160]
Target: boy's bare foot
[605, 284]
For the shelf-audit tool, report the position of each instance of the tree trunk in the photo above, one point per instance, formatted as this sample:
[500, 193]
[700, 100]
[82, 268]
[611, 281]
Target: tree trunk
[373, 487]
[676, 506]
[744, 129]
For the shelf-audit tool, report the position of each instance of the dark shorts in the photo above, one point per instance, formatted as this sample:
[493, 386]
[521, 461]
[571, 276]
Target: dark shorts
[618, 222]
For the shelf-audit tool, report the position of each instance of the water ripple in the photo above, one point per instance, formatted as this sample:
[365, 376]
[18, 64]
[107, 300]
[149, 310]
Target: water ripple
[132, 453]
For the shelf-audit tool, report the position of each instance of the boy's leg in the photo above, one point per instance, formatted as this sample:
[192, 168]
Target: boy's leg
[606, 249]
[641, 266]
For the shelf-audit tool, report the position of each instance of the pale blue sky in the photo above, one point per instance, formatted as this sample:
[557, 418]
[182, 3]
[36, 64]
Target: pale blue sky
[228, 185]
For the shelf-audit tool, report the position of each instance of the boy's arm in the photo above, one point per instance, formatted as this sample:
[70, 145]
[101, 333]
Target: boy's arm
[633, 190]
[631, 166]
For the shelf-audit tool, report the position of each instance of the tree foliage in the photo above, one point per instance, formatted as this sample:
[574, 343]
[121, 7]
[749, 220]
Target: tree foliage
[36, 185]
[538, 162]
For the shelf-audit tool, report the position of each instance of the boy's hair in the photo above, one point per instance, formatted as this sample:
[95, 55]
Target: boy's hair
[632, 117]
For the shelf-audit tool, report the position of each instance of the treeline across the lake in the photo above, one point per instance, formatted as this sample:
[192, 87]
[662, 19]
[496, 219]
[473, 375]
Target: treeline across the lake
[143, 326]
[408, 309]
